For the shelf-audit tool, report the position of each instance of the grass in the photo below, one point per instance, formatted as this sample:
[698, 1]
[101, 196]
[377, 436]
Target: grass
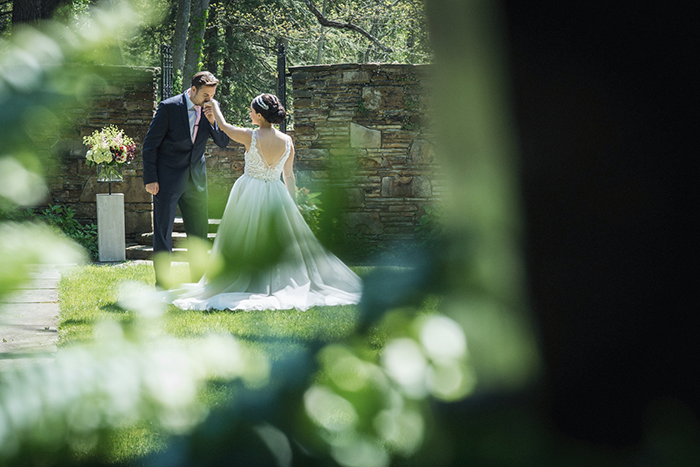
[88, 295]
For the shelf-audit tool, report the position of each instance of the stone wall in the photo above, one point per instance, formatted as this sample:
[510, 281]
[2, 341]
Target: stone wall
[358, 128]
[364, 129]
[125, 97]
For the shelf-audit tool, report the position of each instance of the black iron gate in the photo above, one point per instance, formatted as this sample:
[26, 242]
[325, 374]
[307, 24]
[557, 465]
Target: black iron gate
[166, 71]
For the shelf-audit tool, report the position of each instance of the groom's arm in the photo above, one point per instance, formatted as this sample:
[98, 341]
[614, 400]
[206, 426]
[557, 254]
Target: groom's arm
[151, 144]
[217, 134]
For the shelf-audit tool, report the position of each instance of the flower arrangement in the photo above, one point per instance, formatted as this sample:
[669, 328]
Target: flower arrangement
[308, 205]
[109, 148]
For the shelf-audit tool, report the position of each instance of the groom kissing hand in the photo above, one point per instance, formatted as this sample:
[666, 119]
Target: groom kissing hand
[174, 169]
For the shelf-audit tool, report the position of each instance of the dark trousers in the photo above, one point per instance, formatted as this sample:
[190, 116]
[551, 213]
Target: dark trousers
[195, 217]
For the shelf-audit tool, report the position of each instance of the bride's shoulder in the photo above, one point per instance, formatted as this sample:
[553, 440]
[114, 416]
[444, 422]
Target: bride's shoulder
[286, 137]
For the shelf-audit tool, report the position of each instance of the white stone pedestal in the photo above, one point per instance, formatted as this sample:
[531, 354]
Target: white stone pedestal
[111, 240]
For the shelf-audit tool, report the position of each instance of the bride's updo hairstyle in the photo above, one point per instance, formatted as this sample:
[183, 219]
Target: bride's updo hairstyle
[270, 107]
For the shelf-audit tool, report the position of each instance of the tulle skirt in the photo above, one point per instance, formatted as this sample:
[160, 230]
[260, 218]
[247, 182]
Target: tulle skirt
[266, 257]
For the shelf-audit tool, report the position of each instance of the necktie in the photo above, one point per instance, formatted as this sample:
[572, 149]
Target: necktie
[194, 121]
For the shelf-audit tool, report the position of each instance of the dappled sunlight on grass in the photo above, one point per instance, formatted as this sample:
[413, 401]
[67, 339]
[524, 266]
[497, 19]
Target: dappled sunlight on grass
[88, 295]
[318, 323]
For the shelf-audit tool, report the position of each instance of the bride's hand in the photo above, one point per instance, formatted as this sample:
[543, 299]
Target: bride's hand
[209, 112]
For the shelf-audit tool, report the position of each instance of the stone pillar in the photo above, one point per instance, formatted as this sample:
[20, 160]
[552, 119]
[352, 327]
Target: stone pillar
[111, 240]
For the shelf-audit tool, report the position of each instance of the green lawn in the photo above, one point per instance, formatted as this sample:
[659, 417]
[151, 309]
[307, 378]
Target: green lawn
[88, 295]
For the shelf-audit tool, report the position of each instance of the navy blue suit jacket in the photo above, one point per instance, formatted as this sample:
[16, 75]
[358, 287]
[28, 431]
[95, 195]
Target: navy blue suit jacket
[169, 155]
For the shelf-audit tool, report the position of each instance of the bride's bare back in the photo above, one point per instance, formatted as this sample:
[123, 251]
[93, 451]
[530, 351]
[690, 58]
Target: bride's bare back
[272, 145]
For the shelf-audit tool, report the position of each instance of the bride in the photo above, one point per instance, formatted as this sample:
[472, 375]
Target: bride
[264, 255]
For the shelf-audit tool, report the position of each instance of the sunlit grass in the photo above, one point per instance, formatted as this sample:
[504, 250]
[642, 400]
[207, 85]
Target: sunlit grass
[88, 294]
[134, 442]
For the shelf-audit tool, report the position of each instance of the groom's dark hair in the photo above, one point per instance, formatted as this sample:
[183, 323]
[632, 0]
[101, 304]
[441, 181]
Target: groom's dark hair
[204, 78]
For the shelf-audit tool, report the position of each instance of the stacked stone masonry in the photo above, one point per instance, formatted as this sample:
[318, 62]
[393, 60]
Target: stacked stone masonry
[120, 96]
[363, 128]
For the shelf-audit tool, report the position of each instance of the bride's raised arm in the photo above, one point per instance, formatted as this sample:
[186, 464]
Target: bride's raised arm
[290, 180]
[238, 134]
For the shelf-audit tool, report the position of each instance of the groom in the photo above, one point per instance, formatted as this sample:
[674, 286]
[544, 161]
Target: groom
[174, 170]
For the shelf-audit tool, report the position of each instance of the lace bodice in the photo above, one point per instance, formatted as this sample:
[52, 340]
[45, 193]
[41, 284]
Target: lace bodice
[255, 165]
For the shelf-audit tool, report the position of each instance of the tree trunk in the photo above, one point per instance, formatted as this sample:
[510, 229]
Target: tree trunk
[180, 35]
[227, 69]
[30, 11]
[210, 48]
[321, 39]
[195, 39]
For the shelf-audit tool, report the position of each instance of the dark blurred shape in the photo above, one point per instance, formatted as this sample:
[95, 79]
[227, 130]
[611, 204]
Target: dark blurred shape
[385, 289]
[32, 11]
[603, 97]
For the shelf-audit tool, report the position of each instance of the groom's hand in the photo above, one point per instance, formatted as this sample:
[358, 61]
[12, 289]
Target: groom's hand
[153, 188]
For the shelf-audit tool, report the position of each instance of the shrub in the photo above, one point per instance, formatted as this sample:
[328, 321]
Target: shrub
[62, 219]
[308, 205]
[430, 227]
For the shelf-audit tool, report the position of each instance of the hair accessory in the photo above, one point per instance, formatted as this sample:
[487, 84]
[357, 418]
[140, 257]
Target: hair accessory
[259, 100]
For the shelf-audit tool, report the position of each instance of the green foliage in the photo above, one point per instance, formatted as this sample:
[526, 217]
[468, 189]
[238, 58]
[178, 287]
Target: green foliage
[410, 102]
[75, 10]
[355, 247]
[408, 125]
[177, 82]
[362, 109]
[308, 205]
[62, 220]
[241, 40]
[154, 19]
[430, 226]
[197, 27]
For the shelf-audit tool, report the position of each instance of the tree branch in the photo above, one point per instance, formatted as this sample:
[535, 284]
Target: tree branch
[336, 24]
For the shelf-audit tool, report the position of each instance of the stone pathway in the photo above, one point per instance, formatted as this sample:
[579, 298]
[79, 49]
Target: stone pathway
[29, 319]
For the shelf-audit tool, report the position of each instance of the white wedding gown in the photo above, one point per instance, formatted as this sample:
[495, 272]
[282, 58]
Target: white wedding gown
[273, 260]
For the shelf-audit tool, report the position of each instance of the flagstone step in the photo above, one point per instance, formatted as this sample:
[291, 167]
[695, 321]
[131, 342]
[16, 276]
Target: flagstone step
[136, 251]
[179, 239]
[178, 226]
[141, 246]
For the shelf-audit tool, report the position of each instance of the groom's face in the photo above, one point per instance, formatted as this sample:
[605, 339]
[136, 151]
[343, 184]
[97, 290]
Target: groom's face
[202, 95]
